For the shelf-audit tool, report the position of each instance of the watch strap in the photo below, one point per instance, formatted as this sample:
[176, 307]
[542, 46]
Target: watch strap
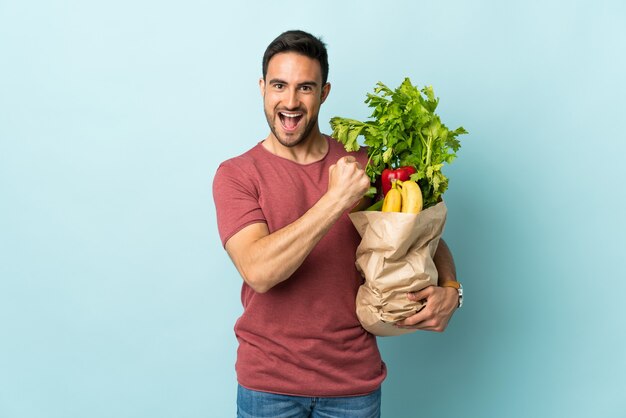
[450, 283]
[456, 285]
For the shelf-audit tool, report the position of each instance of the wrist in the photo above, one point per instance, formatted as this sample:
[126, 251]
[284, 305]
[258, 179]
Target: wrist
[331, 204]
[336, 202]
[458, 287]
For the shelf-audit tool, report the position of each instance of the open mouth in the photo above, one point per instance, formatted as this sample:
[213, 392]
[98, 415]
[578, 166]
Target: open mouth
[290, 120]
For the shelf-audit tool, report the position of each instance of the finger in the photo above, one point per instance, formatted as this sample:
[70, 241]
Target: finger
[421, 294]
[426, 326]
[414, 320]
[421, 322]
[331, 170]
[423, 327]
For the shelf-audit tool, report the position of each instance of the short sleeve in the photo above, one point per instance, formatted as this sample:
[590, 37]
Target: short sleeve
[236, 198]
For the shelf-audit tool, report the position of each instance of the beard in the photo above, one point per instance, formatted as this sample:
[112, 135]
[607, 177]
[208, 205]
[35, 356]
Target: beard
[289, 140]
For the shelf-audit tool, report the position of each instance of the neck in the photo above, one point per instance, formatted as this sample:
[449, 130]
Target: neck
[313, 148]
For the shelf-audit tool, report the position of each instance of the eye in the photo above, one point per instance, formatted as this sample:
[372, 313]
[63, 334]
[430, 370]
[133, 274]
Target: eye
[278, 86]
[306, 88]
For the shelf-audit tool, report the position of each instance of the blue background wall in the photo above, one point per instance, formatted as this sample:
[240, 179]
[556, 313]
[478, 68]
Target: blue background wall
[116, 298]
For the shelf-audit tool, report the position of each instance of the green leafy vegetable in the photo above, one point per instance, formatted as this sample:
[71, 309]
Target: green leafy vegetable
[405, 132]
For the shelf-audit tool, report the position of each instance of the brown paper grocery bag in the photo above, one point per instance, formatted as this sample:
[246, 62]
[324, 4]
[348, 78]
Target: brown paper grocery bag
[395, 257]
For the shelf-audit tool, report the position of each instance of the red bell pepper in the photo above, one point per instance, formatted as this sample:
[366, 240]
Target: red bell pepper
[388, 174]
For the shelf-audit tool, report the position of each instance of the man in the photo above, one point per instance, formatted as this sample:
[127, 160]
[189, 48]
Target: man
[282, 217]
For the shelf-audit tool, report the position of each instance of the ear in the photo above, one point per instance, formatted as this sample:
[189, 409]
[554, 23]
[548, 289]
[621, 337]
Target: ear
[262, 86]
[325, 92]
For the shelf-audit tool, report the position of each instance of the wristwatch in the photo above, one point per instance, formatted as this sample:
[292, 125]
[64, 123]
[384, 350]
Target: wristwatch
[458, 286]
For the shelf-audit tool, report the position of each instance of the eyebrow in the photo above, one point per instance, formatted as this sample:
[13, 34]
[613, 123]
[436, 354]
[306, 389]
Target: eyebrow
[304, 83]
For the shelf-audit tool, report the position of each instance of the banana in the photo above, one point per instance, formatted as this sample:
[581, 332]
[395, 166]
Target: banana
[404, 196]
[393, 200]
[411, 197]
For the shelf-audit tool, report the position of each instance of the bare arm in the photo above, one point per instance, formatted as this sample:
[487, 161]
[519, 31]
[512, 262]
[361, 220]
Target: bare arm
[265, 259]
[444, 262]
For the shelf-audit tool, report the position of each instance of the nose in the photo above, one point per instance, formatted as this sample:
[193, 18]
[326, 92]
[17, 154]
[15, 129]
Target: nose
[292, 101]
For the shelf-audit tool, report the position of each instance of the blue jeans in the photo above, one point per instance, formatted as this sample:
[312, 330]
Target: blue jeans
[254, 404]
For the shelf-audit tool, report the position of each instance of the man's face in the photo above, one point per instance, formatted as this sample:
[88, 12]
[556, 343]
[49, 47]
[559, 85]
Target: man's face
[292, 94]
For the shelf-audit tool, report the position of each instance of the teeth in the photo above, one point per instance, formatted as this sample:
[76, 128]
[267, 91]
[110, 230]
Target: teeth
[291, 115]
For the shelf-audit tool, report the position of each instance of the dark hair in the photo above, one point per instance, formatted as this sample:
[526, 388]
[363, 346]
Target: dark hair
[302, 43]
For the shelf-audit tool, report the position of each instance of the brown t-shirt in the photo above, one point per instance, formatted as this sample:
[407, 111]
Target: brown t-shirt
[302, 337]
